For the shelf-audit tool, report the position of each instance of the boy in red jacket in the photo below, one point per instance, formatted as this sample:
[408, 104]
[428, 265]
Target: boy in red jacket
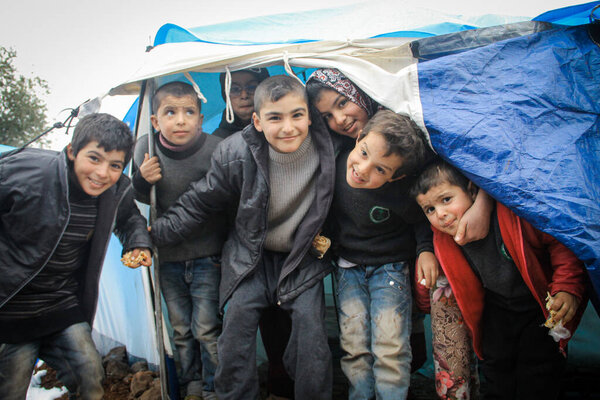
[501, 284]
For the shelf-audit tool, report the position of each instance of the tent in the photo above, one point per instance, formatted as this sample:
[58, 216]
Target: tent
[512, 102]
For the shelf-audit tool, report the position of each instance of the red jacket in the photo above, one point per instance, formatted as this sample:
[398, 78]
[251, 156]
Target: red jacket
[545, 265]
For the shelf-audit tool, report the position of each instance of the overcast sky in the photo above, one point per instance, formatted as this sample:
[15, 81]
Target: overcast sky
[83, 48]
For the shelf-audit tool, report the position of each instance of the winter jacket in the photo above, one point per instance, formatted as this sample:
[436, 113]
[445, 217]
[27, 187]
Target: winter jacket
[238, 181]
[34, 210]
[227, 129]
[545, 264]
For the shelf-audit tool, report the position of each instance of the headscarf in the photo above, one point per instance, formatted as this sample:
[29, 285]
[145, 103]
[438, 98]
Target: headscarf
[337, 81]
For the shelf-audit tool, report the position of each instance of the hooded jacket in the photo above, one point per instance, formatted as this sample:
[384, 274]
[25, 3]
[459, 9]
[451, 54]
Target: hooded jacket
[34, 210]
[238, 181]
[545, 264]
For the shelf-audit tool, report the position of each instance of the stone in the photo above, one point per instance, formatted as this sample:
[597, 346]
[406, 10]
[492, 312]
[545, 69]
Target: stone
[141, 382]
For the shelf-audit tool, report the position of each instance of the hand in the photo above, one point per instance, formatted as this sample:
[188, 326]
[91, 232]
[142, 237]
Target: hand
[150, 169]
[475, 222]
[428, 268]
[137, 257]
[565, 305]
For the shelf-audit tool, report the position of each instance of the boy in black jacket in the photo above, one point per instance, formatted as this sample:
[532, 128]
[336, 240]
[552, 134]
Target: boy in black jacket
[276, 180]
[57, 214]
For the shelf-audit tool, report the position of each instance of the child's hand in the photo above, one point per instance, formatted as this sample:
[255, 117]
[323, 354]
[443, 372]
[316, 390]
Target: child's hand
[150, 169]
[565, 305]
[428, 268]
[475, 222]
[137, 257]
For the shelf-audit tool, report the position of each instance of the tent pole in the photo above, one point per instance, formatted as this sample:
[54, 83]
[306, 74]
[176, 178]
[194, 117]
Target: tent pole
[158, 314]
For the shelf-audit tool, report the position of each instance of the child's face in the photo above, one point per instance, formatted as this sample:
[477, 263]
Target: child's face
[96, 169]
[243, 86]
[342, 115]
[444, 206]
[178, 119]
[367, 166]
[284, 122]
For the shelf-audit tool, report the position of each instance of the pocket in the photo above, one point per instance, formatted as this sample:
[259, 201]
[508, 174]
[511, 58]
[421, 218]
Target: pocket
[399, 275]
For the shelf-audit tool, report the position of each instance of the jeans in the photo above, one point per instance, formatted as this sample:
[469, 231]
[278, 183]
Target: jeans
[307, 357]
[71, 352]
[191, 292]
[374, 308]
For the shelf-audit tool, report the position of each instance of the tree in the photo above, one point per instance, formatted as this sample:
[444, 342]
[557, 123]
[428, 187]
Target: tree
[22, 112]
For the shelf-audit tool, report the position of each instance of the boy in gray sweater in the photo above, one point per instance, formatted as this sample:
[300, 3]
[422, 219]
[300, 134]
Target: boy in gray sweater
[190, 273]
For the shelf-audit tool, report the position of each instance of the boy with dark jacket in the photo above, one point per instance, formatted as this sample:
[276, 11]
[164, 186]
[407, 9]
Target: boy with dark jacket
[57, 214]
[508, 286]
[276, 180]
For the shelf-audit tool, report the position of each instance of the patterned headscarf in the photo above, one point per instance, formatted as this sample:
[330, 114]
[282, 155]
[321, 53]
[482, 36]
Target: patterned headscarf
[337, 81]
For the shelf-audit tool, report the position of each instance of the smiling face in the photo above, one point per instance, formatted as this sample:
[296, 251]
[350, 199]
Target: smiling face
[341, 114]
[243, 86]
[96, 169]
[178, 119]
[284, 122]
[444, 206]
[368, 167]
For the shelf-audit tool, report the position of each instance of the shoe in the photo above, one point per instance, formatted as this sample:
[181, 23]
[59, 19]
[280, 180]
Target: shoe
[209, 396]
[192, 397]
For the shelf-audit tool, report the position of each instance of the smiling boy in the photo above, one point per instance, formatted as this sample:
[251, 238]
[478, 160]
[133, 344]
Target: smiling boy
[377, 234]
[275, 180]
[58, 212]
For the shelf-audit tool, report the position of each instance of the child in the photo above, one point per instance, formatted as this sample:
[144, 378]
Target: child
[241, 93]
[377, 234]
[276, 181]
[500, 284]
[190, 273]
[274, 322]
[57, 215]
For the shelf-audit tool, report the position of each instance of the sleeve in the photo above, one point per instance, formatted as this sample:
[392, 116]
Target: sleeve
[204, 197]
[569, 274]
[130, 225]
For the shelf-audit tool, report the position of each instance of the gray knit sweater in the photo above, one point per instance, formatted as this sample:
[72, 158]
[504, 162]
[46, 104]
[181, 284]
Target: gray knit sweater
[179, 169]
[292, 185]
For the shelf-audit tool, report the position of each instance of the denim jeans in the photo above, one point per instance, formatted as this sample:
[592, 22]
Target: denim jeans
[374, 308]
[71, 352]
[191, 292]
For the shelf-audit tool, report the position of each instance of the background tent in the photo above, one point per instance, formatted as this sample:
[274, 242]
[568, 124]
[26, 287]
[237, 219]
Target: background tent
[496, 95]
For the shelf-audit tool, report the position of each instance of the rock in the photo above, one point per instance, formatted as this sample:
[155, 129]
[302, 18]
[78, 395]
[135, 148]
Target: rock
[116, 369]
[118, 354]
[153, 393]
[139, 366]
[141, 382]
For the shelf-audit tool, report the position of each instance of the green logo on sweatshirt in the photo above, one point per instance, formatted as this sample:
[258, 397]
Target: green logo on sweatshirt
[379, 214]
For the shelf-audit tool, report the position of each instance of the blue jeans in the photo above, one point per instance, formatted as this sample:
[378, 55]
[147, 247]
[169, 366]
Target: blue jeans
[374, 308]
[71, 352]
[191, 292]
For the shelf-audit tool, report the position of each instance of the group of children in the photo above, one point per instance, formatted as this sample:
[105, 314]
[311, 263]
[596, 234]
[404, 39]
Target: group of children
[239, 220]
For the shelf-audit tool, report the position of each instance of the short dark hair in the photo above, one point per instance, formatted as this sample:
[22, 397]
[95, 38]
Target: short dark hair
[176, 89]
[437, 173]
[260, 73]
[274, 88]
[110, 132]
[403, 138]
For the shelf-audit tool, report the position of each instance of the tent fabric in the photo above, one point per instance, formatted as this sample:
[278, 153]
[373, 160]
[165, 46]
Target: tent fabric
[514, 106]
[521, 118]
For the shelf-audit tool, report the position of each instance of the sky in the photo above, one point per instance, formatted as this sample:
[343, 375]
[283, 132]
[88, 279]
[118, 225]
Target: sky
[83, 48]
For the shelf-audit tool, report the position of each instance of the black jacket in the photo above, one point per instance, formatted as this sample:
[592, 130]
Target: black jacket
[227, 129]
[34, 212]
[238, 181]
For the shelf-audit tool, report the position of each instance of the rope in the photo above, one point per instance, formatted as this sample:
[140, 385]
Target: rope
[288, 69]
[229, 116]
[195, 86]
